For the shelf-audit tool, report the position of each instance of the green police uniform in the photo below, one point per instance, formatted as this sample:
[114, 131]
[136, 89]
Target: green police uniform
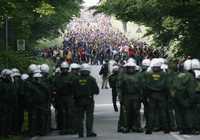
[131, 93]
[196, 107]
[65, 89]
[37, 96]
[48, 82]
[182, 91]
[156, 88]
[8, 102]
[121, 121]
[86, 88]
[19, 110]
[113, 84]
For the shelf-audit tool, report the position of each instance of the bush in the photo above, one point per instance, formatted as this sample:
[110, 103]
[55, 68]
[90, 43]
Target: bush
[12, 59]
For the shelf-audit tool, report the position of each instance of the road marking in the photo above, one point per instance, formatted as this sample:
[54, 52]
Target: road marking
[104, 105]
[34, 138]
[176, 136]
[110, 105]
[187, 136]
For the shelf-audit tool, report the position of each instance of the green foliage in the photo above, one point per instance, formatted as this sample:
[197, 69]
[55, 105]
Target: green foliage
[32, 20]
[21, 60]
[13, 59]
[169, 20]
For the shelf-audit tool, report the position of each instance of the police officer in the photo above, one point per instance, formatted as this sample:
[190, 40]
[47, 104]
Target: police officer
[48, 81]
[182, 92]
[8, 101]
[75, 69]
[131, 92]
[24, 90]
[196, 97]
[113, 84]
[121, 121]
[39, 97]
[145, 65]
[64, 85]
[74, 74]
[19, 110]
[156, 90]
[86, 88]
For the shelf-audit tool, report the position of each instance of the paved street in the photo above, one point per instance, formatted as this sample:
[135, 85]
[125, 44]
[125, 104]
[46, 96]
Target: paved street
[105, 123]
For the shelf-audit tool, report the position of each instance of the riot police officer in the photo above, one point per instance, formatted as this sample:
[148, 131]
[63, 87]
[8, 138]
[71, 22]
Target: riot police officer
[86, 88]
[156, 93]
[64, 86]
[131, 93]
[113, 84]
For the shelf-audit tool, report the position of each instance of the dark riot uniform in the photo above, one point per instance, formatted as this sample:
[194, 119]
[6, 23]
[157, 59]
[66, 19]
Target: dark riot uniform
[86, 88]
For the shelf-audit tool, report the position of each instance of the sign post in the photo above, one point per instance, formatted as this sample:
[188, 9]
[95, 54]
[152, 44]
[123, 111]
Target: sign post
[21, 45]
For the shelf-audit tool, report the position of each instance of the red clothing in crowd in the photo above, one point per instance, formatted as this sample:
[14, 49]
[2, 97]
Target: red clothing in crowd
[131, 52]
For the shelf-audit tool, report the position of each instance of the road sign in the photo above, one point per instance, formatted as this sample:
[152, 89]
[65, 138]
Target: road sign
[139, 30]
[21, 45]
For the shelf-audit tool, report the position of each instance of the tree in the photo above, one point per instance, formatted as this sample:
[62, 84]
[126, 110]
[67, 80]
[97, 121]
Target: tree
[169, 20]
[31, 19]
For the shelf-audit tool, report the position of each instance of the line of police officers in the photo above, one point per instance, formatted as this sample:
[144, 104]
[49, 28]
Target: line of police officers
[25, 100]
[171, 99]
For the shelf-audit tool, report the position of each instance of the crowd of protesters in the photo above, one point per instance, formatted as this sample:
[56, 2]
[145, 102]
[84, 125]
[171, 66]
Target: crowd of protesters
[92, 39]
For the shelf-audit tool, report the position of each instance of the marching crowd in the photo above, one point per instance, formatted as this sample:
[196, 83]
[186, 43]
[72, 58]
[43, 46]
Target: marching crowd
[84, 52]
[170, 99]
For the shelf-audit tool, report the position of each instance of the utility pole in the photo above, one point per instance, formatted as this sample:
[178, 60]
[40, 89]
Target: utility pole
[6, 33]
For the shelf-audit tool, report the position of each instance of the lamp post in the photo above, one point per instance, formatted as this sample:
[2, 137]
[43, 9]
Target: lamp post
[6, 31]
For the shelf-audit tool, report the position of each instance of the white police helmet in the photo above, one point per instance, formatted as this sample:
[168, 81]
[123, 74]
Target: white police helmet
[15, 70]
[195, 64]
[37, 75]
[162, 60]
[115, 68]
[146, 62]
[32, 68]
[155, 62]
[37, 70]
[164, 67]
[75, 66]
[197, 74]
[44, 68]
[57, 70]
[64, 65]
[130, 64]
[131, 60]
[6, 72]
[24, 76]
[85, 67]
[187, 65]
[15, 75]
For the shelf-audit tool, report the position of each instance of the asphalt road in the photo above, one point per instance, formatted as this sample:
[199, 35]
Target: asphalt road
[105, 123]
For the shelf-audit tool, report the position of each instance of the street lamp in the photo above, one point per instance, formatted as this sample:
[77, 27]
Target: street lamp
[6, 31]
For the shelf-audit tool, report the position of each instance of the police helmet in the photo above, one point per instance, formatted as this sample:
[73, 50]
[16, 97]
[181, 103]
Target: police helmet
[85, 67]
[195, 64]
[131, 60]
[37, 75]
[64, 65]
[24, 76]
[146, 62]
[32, 68]
[44, 68]
[75, 66]
[187, 65]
